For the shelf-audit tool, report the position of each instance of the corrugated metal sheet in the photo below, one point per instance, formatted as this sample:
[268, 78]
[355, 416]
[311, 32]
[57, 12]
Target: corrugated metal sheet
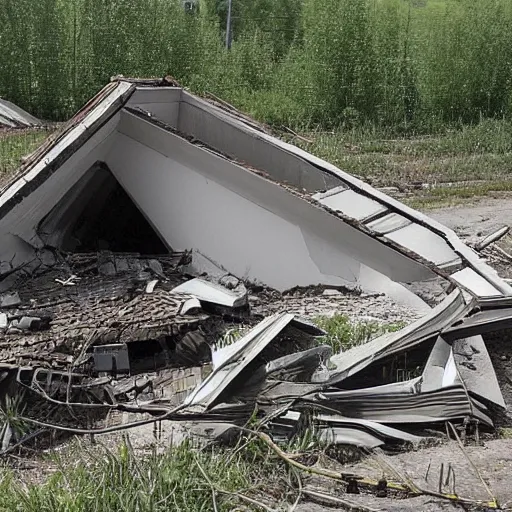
[230, 361]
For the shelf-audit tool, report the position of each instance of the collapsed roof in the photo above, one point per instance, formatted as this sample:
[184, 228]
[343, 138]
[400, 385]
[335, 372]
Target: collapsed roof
[12, 116]
[209, 179]
[146, 171]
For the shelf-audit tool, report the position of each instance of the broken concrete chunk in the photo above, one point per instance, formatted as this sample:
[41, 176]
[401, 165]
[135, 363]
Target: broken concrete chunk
[156, 267]
[10, 300]
[29, 323]
[122, 265]
[47, 258]
[150, 287]
[4, 323]
[191, 306]
[229, 282]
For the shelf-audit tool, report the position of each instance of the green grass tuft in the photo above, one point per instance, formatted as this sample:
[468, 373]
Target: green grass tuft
[181, 479]
[14, 145]
[343, 334]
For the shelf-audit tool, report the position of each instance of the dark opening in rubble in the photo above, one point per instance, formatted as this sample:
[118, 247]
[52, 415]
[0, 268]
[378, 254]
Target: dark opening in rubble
[97, 214]
[400, 367]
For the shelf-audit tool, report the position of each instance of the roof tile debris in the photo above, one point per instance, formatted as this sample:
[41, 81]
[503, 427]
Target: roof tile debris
[258, 238]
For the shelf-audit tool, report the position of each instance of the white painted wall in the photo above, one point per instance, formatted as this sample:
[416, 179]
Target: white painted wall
[253, 227]
[164, 103]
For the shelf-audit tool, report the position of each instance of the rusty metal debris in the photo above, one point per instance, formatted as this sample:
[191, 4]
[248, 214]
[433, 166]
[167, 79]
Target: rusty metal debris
[130, 245]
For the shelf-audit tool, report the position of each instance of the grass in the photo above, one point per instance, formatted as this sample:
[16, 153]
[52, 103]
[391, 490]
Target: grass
[13, 146]
[460, 164]
[480, 152]
[452, 196]
[505, 432]
[184, 478]
[343, 334]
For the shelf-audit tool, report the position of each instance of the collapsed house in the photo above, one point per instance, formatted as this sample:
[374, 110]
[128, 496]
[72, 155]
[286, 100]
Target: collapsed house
[12, 116]
[131, 240]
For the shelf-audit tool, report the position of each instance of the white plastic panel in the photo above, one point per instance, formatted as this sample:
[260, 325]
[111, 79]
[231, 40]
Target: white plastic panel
[389, 223]
[425, 243]
[475, 283]
[350, 203]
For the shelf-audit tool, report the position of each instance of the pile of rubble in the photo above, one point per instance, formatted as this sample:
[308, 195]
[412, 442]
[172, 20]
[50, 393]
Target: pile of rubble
[97, 333]
[97, 336]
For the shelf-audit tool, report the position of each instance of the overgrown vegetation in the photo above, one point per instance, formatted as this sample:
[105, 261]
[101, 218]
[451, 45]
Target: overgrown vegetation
[183, 478]
[407, 65]
[342, 333]
[14, 145]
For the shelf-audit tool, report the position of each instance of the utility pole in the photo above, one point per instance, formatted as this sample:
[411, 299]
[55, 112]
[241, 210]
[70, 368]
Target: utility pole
[228, 26]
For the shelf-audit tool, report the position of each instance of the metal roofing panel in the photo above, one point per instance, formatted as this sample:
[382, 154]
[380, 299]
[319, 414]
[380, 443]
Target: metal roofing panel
[389, 223]
[349, 436]
[480, 323]
[440, 369]
[447, 403]
[378, 428]
[354, 360]
[475, 283]
[350, 203]
[476, 370]
[230, 361]
[425, 243]
[5, 122]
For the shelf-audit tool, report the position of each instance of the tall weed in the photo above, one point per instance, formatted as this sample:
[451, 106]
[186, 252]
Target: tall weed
[404, 65]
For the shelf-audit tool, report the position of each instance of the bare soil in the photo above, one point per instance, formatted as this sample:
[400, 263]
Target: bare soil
[475, 218]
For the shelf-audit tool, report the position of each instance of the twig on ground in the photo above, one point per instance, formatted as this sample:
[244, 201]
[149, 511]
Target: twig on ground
[243, 497]
[428, 470]
[210, 483]
[464, 451]
[295, 134]
[411, 488]
[338, 501]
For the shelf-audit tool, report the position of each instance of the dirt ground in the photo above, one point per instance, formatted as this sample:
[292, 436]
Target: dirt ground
[475, 218]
